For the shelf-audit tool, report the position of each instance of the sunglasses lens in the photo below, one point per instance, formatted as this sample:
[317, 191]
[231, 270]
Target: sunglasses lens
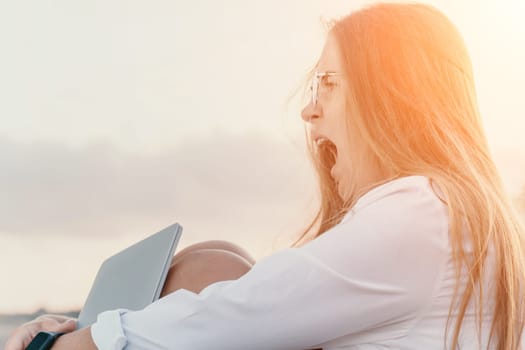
[315, 86]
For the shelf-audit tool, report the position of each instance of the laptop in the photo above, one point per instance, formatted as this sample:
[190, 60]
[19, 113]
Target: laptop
[133, 278]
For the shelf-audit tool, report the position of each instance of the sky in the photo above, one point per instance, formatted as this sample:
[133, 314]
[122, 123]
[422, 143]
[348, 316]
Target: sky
[119, 118]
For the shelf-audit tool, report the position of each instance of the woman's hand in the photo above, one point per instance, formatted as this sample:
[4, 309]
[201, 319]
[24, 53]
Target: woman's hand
[22, 336]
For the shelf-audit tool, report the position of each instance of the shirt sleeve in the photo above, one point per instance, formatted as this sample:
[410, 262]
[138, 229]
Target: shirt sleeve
[380, 265]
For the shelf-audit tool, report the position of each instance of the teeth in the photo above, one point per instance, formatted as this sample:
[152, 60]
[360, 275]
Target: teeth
[321, 140]
[324, 143]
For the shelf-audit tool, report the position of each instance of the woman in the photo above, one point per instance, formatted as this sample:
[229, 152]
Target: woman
[415, 245]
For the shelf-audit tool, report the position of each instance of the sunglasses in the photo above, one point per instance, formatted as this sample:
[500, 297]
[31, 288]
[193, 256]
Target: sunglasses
[320, 80]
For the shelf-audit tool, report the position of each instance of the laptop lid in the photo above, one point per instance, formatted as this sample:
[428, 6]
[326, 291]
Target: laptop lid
[133, 278]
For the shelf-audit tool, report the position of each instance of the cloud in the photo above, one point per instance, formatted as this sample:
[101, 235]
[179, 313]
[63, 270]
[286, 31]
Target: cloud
[240, 186]
[247, 187]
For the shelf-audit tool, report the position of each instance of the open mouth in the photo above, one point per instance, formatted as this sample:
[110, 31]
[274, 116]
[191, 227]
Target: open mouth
[324, 145]
[327, 152]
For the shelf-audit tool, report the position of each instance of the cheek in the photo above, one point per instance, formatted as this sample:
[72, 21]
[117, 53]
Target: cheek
[335, 107]
[342, 137]
[336, 124]
[339, 115]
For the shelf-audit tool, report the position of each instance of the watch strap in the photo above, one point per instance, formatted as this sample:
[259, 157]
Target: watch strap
[43, 340]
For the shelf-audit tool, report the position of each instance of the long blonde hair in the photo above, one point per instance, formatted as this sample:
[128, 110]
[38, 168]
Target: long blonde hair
[413, 103]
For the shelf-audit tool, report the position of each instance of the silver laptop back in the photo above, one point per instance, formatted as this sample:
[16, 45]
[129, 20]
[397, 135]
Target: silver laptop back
[132, 278]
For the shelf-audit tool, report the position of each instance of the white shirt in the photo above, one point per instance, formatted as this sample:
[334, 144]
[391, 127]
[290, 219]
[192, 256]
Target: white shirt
[381, 279]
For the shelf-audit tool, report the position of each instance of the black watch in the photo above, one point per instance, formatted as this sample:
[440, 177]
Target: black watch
[43, 340]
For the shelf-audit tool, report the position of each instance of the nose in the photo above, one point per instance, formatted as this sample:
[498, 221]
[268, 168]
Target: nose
[310, 112]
